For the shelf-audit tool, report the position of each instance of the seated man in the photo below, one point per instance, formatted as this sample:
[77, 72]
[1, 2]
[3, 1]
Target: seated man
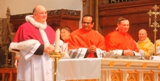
[144, 43]
[119, 42]
[86, 42]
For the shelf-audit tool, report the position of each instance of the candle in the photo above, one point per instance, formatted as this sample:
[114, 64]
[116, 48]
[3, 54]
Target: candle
[57, 40]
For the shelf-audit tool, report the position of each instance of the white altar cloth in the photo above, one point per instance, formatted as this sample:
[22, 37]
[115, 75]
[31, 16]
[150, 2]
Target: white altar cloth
[76, 69]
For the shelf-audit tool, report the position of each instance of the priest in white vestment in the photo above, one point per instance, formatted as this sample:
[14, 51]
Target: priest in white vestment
[33, 41]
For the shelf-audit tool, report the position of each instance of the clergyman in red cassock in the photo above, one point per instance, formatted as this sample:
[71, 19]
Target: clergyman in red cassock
[119, 42]
[86, 42]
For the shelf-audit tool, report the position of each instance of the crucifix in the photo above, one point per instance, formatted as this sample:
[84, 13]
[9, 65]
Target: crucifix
[155, 23]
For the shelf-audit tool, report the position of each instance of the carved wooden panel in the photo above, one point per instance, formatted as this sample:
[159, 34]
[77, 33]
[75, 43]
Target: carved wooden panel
[56, 19]
[133, 76]
[149, 76]
[117, 75]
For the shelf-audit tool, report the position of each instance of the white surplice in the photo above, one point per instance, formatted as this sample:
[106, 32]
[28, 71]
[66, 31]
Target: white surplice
[64, 49]
[33, 67]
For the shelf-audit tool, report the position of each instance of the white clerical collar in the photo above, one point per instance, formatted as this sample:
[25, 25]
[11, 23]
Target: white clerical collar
[29, 18]
[41, 28]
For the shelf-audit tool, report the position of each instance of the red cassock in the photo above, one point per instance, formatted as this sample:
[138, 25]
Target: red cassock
[27, 31]
[84, 39]
[116, 40]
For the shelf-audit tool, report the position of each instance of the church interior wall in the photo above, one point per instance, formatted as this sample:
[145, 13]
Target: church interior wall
[21, 6]
[135, 11]
[26, 6]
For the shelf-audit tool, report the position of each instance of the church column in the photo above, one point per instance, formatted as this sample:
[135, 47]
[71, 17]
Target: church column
[97, 16]
[141, 76]
[156, 75]
[125, 75]
[91, 7]
[88, 7]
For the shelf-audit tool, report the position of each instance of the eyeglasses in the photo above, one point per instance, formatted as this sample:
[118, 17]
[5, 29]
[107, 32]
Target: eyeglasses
[86, 22]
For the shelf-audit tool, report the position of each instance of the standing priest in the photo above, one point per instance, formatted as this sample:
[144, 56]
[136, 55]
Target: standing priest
[33, 40]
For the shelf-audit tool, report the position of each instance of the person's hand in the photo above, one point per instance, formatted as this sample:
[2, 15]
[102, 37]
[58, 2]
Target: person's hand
[128, 53]
[92, 49]
[17, 57]
[48, 49]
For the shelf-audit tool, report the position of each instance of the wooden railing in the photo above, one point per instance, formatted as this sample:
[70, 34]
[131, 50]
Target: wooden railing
[8, 74]
[113, 1]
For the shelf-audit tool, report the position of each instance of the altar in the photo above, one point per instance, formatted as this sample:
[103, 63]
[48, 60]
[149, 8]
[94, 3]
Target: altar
[97, 69]
[108, 69]
[129, 70]
[79, 69]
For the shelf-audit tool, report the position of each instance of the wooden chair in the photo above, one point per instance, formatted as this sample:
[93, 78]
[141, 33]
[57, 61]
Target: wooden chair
[7, 71]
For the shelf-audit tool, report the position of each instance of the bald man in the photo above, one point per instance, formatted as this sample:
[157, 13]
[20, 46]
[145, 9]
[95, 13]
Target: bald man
[144, 43]
[33, 40]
